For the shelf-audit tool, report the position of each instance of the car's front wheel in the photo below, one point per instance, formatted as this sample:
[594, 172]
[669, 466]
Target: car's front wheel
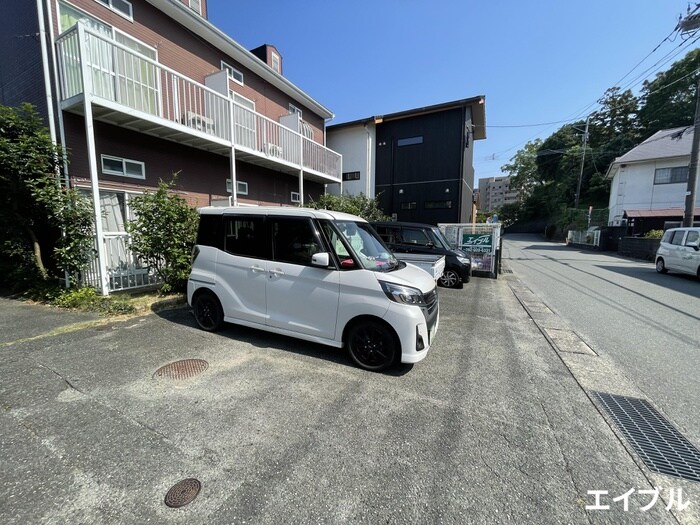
[372, 345]
[450, 279]
[661, 266]
[207, 311]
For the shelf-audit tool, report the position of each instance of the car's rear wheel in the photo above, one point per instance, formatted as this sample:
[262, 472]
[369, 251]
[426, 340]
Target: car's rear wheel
[661, 266]
[207, 311]
[372, 345]
[450, 279]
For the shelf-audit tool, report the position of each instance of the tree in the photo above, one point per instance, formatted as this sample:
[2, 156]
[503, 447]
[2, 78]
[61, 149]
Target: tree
[668, 101]
[46, 229]
[164, 233]
[523, 169]
[359, 205]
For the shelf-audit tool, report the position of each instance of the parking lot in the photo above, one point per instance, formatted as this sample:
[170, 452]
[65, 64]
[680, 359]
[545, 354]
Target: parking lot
[491, 427]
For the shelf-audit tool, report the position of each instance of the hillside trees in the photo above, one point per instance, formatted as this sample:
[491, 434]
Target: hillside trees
[550, 168]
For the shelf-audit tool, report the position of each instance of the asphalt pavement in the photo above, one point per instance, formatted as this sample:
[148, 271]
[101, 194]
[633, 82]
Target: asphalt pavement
[492, 427]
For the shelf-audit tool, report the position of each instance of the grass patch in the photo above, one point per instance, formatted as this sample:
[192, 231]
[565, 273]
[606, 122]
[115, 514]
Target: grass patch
[89, 300]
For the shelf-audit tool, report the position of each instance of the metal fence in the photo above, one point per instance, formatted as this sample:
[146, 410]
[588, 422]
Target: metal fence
[125, 269]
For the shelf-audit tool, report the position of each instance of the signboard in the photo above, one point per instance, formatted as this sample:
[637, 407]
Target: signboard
[477, 242]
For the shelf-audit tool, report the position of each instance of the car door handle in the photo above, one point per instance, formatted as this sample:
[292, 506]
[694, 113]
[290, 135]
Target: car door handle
[257, 269]
[277, 272]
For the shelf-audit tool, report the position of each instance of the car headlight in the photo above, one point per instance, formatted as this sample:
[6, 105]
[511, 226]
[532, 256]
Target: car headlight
[464, 260]
[403, 294]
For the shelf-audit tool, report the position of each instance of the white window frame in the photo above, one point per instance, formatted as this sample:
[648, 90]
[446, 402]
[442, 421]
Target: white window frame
[108, 4]
[276, 62]
[241, 187]
[295, 197]
[196, 6]
[123, 173]
[237, 98]
[231, 73]
[294, 109]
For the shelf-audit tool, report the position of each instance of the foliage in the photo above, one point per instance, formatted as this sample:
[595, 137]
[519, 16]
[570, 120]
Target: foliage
[164, 234]
[359, 205]
[88, 299]
[547, 172]
[654, 234]
[668, 101]
[46, 229]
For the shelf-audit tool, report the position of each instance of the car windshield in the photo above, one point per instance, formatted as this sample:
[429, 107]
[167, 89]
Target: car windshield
[360, 239]
[439, 239]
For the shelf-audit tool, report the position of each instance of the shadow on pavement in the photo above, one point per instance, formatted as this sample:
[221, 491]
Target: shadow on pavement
[262, 339]
[686, 284]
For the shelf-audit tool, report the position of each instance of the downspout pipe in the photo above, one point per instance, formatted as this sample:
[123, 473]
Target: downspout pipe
[47, 70]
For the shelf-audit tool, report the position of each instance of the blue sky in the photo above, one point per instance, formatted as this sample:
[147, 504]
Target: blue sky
[534, 61]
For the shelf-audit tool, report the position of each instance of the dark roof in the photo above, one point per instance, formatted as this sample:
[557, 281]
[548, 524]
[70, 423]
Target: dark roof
[477, 105]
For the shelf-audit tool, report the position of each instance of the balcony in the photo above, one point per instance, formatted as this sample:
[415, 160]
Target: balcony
[129, 90]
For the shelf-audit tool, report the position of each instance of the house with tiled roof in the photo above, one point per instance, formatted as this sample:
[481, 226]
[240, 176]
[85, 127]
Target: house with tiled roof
[649, 182]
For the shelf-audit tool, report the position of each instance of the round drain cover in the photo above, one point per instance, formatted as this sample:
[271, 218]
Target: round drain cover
[183, 493]
[182, 369]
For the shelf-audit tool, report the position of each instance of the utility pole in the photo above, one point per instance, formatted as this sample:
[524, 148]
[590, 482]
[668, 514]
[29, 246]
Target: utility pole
[583, 158]
[693, 168]
[691, 23]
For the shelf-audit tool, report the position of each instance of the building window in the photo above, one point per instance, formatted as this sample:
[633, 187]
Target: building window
[351, 175]
[294, 109]
[69, 16]
[295, 196]
[241, 187]
[123, 167]
[232, 73]
[671, 175]
[411, 141]
[438, 205]
[196, 6]
[120, 6]
[275, 59]
[409, 205]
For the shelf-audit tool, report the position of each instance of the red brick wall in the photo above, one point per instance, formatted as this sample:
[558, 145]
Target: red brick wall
[181, 50]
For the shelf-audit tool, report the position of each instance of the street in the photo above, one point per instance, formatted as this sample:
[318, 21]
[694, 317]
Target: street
[492, 427]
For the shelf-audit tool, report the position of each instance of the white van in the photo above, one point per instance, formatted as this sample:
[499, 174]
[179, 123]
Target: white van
[322, 276]
[679, 251]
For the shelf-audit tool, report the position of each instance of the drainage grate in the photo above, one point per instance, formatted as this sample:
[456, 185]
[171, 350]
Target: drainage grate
[182, 493]
[182, 369]
[506, 270]
[662, 448]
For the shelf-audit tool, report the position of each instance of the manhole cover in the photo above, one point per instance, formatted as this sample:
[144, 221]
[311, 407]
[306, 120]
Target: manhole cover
[182, 369]
[183, 493]
[662, 448]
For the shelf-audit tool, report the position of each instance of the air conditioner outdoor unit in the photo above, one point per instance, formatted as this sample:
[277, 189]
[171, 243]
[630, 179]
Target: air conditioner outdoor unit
[200, 122]
[273, 150]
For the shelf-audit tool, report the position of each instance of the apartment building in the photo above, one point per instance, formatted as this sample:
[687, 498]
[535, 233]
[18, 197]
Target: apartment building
[139, 90]
[419, 162]
[495, 192]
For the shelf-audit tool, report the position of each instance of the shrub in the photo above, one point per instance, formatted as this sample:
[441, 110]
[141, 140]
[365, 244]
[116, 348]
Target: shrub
[654, 234]
[359, 205]
[164, 234]
[88, 299]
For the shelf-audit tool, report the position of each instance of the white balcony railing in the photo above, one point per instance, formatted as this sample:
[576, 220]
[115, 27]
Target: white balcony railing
[120, 75]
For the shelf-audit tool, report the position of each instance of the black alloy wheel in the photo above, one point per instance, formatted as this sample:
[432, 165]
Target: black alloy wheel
[450, 279]
[372, 346]
[208, 312]
[660, 266]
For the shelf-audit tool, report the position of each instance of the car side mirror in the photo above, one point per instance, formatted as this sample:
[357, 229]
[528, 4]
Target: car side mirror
[321, 259]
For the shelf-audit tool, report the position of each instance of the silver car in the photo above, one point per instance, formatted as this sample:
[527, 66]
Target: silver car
[679, 251]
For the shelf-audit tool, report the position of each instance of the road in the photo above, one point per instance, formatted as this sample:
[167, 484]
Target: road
[490, 428]
[645, 323]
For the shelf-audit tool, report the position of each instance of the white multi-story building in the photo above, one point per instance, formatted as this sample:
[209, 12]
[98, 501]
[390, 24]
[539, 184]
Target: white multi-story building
[494, 192]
